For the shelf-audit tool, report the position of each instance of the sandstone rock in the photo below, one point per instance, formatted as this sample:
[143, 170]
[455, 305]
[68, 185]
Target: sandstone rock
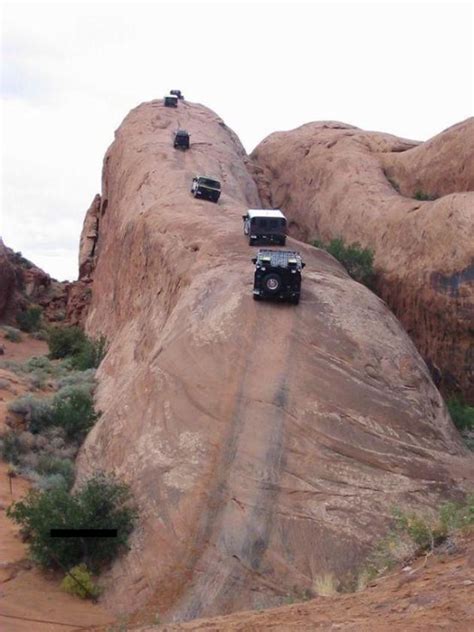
[89, 236]
[23, 284]
[265, 444]
[7, 281]
[334, 180]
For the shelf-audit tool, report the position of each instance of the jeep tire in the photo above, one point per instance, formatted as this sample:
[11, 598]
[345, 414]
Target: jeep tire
[272, 283]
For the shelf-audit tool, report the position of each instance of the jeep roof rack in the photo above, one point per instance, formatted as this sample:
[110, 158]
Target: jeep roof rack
[279, 258]
[257, 212]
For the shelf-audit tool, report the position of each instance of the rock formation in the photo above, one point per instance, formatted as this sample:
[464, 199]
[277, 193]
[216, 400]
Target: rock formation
[23, 284]
[334, 180]
[265, 444]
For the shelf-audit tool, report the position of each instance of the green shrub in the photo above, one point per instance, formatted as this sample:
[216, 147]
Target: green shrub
[71, 342]
[78, 378]
[423, 532]
[41, 334]
[461, 413]
[79, 582]
[38, 413]
[101, 503]
[455, 516]
[12, 334]
[358, 261]
[91, 354]
[11, 447]
[425, 197]
[39, 362]
[49, 465]
[65, 341]
[73, 410]
[30, 319]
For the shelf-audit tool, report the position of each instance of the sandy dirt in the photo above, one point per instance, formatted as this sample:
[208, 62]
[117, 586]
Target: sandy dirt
[30, 600]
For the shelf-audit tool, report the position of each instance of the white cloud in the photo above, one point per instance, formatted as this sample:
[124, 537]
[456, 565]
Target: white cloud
[71, 72]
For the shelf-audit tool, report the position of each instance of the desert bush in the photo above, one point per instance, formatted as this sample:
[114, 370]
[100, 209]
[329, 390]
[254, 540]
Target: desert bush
[41, 334]
[78, 378]
[65, 341]
[455, 516]
[4, 384]
[79, 581]
[49, 465]
[73, 410]
[30, 319]
[102, 502]
[461, 413]
[39, 362]
[85, 353]
[11, 447]
[358, 261]
[91, 354]
[37, 380]
[425, 197]
[12, 334]
[38, 413]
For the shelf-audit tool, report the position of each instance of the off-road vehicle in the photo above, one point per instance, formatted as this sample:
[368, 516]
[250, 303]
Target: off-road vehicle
[278, 275]
[171, 101]
[181, 139]
[268, 226]
[207, 188]
[177, 93]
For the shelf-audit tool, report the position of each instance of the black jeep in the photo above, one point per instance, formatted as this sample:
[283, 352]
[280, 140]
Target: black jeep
[177, 93]
[171, 101]
[206, 188]
[278, 275]
[181, 139]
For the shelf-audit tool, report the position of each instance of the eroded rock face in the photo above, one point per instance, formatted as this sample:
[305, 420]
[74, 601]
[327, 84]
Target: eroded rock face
[334, 180]
[265, 444]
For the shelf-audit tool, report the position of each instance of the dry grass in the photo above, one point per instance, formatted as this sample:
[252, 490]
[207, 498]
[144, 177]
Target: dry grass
[325, 585]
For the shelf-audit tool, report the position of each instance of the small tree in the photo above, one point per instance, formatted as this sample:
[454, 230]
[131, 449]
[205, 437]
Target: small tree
[100, 503]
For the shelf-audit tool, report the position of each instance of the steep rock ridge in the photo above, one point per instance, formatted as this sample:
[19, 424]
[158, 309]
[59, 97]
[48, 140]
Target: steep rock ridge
[336, 180]
[265, 444]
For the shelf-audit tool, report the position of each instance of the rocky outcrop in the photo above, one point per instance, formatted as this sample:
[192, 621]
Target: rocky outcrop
[89, 237]
[334, 180]
[23, 284]
[265, 444]
[8, 281]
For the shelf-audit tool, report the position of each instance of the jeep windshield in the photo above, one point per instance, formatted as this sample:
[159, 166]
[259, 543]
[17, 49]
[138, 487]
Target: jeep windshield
[211, 184]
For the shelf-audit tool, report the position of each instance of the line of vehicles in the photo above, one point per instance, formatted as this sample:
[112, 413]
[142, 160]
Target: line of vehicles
[277, 272]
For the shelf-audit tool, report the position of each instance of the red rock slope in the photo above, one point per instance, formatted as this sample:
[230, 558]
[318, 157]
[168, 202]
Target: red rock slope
[435, 593]
[336, 180]
[266, 444]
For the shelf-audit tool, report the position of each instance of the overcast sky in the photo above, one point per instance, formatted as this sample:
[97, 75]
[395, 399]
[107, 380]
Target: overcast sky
[72, 71]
